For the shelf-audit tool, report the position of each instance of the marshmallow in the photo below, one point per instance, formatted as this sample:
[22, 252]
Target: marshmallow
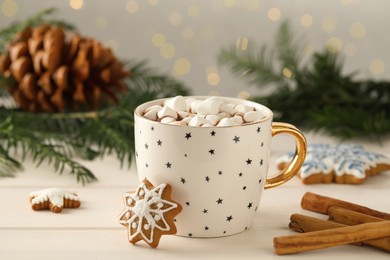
[151, 114]
[238, 119]
[207, 125]
[155, 107]
[177, 103]
[224, 115]
[197, 120]
[227, 122]
[253, 116]
[167, 120]
[242, 108]
[213, 119]
[166, 111]
[194, 105]
[208, 107]
[187, 119]
[189, 102]
[183, 114]
[227, 108]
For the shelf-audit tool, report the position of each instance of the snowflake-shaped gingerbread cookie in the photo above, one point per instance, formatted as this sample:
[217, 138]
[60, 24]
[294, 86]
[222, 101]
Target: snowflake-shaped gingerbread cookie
[343, 163]
[149, 213]
[54, 199]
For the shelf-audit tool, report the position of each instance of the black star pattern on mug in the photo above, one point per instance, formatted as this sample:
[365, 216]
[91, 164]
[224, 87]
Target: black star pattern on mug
[219, 201]
[236, 139]
[250, 205]
[224, 231]
[136, 154]
[207, 178]
[206, 228]
[260, 181]
[169, 165]
[256, 208]
[152, 128]
[190, 234]
[249, 161]
[261, 162]
[212, 133]
[182, 180]
[258, 129]
[262, 144]
[229, 218]
[219, 172]
[244, 188]
[245, 228]
[212, 151]
[187, 203]
[146, 146]
[188, 136]
[146, 165]
[185, 155]
[205, 211]
[159, 142]
[240, 174]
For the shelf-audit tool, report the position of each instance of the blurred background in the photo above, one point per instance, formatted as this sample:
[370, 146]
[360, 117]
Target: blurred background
[183, 38]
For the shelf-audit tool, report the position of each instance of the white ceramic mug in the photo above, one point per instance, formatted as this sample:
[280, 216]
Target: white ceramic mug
[217, 173]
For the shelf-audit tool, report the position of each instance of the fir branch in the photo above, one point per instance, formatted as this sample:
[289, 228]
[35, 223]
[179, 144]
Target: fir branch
[8, 165]
[256, 67]
[317, 96]
[37, 146]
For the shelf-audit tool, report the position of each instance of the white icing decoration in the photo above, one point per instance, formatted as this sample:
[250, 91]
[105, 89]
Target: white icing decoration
[157, 217]
[56, 196]
[143, 209]
[134, 225]
[343, 159]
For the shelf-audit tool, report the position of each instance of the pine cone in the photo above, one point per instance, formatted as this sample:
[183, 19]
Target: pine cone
[53, 71]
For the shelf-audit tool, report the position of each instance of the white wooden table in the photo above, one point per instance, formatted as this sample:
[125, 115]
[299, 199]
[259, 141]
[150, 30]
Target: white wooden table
[92, 231]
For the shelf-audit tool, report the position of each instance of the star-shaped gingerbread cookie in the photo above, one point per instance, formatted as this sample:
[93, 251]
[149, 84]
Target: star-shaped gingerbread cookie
[149, 213]
[54, 199]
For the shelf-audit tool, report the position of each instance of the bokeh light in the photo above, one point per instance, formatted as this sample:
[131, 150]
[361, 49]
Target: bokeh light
[334, 44]
[274, 14]
[213, 78]
[182, 66]
[251, 5]
[243, 95]
[350, 49]
[242, 43]
[377, 66]
[76, 4]
[329, 24]
[158, 39]
[132, 7]
[175, 18]
[187, 33]
[167, 51]
[9, 8]
[153, 2]
[357, 30]
[306, 20]
[229, 3]
[193, 10]
[287, 73]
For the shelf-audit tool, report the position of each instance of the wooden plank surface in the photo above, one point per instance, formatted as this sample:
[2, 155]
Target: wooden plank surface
[92, 231]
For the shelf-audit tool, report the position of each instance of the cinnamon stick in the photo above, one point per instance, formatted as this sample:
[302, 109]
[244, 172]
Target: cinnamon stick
[332, 237]
[321, 204]
[350, 217]
[302, 223]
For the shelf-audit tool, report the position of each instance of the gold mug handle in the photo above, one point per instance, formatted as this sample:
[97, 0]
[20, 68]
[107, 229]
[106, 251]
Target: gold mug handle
[298, 159]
